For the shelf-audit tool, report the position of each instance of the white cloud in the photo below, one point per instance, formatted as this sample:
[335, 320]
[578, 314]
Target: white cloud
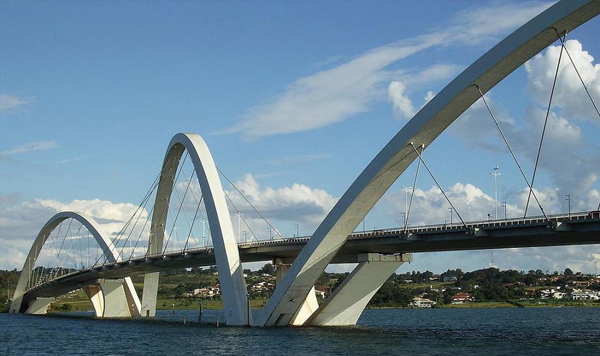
[569, 96]
[29, 147]
[571, 161]
[296, 203]
[336, 94]
[21, 221]
[10, 102]
[402, 104]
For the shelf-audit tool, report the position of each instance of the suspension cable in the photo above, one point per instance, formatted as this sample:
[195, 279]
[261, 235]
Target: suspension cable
[248, 201]
[437, 183]
[510, 150]
[537, 159]
[577, 71]
[413, 191]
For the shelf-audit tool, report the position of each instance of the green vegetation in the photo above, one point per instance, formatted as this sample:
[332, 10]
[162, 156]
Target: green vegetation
[486, 288]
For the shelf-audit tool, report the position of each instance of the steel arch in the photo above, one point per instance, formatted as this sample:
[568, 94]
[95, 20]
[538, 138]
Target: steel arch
[231, 278]
[422, 129]
[108, 249]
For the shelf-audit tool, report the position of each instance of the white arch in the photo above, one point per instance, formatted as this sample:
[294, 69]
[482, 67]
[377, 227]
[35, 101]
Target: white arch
[231, 277]
[90, 224]
[398, 154]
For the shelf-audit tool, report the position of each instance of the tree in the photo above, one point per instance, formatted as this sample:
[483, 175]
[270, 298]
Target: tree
[568, 272]
[267, 269]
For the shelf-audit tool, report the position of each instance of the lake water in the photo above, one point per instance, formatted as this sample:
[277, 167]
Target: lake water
[530, 331]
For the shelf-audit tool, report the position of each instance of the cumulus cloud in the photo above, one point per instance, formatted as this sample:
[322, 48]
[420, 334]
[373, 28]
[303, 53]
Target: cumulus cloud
[402, 104]
[569, 158]
[10, 102]
[296, 203]
[21, 221]
[336, 94]
[430, 207]
[29, 147]
[569, 96]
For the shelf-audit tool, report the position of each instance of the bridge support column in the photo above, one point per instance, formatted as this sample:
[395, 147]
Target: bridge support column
[113, 298]
[348, 301]
[39, 306]
[310, 303]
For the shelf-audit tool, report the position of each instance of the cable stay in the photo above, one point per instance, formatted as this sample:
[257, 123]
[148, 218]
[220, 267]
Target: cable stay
[178, 211]
[412, 195]
[141, 208]
[192, 224]
[537, 159]
[511, 150]
[248, 201]
[576, 70]
[165, 211]
[241, 216]
[438, 184]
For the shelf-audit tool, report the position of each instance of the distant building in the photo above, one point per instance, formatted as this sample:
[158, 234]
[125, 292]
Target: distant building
[419, 302]
[320, 293]
[585, 295]
[461, 298]
[450, 279]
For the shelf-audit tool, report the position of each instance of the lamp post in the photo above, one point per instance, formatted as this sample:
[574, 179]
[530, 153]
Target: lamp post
[270, 233]
[495, 173]
[504, 206]
[568, 198]
[406, 189]
[450, 209]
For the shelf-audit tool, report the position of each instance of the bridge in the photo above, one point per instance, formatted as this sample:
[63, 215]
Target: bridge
[299, 260]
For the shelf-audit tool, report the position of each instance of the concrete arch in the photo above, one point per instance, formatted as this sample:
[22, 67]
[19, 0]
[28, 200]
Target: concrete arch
[398, 154]
[231, 277]
[108, 249]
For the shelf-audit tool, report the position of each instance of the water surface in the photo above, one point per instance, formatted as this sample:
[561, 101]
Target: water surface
[534, 331]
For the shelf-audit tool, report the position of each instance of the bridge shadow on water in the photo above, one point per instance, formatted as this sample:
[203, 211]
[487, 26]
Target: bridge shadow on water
[391, 331]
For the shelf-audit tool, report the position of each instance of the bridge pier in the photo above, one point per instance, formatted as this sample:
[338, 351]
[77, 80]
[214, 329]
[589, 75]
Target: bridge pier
[39, 306]
[348, 301]
[310, 303]
[113, 298]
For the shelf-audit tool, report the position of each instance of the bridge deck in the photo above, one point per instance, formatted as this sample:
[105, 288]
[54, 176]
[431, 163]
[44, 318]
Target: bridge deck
[558, 230]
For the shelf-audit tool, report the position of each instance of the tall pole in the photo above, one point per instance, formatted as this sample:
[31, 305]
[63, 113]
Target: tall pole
[297, 230]
[450, 209]
[568, 196]
[203, 232]
[270, 234]
[239, 214]
[504, 205]
[495, 173]
[406, 189]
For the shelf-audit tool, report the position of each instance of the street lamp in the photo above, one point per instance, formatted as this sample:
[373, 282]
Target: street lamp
[495, 173]
[270, 234]
[504, 206]
[406, 189]
[568, 196]
[450, 209]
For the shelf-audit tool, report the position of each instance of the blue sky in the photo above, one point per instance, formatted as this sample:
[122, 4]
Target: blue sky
[294, 100]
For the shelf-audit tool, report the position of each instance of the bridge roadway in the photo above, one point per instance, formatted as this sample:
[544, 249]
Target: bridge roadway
[558, 230]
